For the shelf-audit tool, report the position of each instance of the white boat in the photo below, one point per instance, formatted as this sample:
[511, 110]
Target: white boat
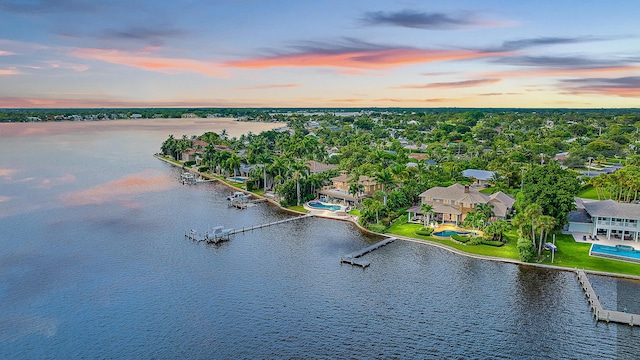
[238, 195]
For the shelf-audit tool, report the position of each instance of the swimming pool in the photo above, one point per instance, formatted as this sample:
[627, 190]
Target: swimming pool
[237, 179]
[447, 233]
[618, 252]
[320, 206]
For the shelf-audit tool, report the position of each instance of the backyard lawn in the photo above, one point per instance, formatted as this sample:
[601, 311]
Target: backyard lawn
[590, 193]
[576, 255]
[508, 251]
[570, 254]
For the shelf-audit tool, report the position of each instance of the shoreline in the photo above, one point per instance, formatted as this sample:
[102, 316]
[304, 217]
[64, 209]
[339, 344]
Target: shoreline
[404, 238]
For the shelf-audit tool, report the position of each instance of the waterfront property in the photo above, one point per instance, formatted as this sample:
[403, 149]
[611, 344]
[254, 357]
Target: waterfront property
[452, 203]
[339, 190]
[319, 205]
[607, 218]
[618, 252]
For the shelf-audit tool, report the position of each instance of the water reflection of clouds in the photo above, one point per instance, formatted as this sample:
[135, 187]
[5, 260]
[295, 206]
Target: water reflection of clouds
[51, 182]
[7, 174]
[121, 190]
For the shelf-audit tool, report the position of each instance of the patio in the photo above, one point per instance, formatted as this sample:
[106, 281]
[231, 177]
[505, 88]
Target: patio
[589, 239]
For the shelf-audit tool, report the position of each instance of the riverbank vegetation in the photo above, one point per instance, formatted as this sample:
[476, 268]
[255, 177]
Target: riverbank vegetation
[542, 158]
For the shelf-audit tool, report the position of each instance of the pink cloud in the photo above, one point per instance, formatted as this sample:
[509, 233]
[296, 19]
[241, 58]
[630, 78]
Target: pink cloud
[49, 183]
[7, 174]
[120, 190]
[361, 58]
[267, 87]
[148, 61]
[4, 199]
[9, 72]
[451, 85]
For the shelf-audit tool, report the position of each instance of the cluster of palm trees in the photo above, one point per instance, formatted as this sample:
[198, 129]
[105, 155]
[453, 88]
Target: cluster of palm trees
[175, 147]
[622, 185]
[532, 220]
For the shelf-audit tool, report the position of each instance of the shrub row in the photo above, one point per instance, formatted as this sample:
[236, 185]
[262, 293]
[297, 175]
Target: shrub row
[424, 232]
[492, 243]
[460, 238]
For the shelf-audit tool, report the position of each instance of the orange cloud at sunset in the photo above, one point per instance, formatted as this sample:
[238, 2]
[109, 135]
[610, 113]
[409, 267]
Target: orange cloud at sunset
[451, 85]
[267, 87]
[119, 190]
[361, 58]
[147, 61]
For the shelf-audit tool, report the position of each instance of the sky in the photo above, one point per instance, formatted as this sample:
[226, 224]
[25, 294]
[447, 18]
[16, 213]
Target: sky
[322, 53]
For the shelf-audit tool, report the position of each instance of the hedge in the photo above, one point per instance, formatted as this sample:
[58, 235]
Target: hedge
[492, 243]
[424, 232]
[462, 239]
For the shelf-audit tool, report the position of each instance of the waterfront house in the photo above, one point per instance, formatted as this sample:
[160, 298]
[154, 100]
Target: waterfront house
[339, 189]
[452, 203]
[606, 218]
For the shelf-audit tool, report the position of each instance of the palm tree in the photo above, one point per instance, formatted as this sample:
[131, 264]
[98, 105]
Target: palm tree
[426, 210]
[209, 152]
[264, 159]
[385, 178]
[485, 209]
[233, 163]
[374, 206]
[355, 189]
[546, 223]
[472, 219]
[532, 212]
[300, 170]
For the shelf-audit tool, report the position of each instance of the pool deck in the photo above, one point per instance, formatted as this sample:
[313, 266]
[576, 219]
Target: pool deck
[453, 227]
[578, 237]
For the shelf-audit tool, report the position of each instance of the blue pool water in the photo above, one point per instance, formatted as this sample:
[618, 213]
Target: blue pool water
[237, 179]
[321, 206]
[446, 233]
[620, 251]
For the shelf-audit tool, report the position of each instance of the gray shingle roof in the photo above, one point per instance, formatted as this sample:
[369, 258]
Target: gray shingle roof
[478, 174]
[611, 208]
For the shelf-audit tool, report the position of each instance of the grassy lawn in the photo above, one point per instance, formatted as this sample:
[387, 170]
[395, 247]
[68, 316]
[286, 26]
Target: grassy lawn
[508, 251]
[590, 193]
[297, 208]
[259, 192]
[570, 253]
[355, 212]
[576, 255]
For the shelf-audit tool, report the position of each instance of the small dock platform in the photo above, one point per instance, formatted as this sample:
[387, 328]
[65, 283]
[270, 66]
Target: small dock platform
[599, 313]
[348, 259]
[215, 236]
[255, 227]
[352, 259]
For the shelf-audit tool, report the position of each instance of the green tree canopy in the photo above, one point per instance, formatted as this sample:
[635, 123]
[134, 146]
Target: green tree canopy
[551, 187]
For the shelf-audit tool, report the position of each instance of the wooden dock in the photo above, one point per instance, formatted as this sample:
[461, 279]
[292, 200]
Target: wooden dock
[255, 227]
[352, 259]
[348, 259]
[601, 314]
[216, 236]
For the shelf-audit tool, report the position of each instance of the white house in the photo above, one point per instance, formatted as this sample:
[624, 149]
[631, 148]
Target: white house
[607, 218]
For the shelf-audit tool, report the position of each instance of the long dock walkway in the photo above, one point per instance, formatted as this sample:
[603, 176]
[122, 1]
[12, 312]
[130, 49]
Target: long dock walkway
[254, 227]
[598, 312]
[352, 259]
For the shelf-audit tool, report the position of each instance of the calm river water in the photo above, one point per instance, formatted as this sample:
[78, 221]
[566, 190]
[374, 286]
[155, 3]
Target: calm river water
[93, 264]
